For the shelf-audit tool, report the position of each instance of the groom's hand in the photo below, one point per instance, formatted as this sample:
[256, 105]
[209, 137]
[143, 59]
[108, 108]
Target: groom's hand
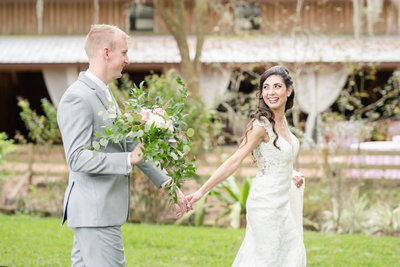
[182, 203]
[137, 154]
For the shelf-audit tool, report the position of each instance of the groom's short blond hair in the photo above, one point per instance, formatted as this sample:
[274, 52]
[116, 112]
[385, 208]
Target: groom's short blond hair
[100, 36]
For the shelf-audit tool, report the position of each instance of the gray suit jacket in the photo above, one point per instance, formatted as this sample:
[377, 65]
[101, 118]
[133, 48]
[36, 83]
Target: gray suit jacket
[98, 188]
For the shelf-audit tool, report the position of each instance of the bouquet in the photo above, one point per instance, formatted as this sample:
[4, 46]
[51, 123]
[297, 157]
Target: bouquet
[159, 127]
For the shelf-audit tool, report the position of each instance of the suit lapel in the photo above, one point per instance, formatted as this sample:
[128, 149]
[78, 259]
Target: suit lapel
[92, 85]
[100, 95]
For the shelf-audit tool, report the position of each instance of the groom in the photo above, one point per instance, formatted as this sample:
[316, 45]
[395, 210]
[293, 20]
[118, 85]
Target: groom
[96, 201]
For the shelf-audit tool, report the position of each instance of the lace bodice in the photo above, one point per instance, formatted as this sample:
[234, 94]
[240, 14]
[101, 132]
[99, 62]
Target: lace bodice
[269, 158]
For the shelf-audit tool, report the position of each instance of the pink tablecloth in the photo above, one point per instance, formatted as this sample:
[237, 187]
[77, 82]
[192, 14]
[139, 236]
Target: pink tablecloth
[376, 160]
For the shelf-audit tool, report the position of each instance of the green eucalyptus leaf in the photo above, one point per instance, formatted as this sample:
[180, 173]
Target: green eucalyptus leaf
[186, 149]
[112, 115]
[190, 132]
[138, 134]
[137, 117]
[129, 117]
[103, 142]
[96, 145]
[174, 156]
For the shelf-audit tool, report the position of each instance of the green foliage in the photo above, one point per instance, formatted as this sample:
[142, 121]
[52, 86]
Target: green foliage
[349, 219]
[205, 122]
[148, 203]
[315, 201]
[357, 99]
[356, 104]
[47, 198]
[384, 219]
[6, 146]
[358, 215]
[159, 126]
[121, 89]
[33, 241]
[322, 209]
[235, 201]
[43, 129]
[238, 106]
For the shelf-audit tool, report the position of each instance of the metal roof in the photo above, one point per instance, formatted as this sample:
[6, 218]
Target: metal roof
[163, 49]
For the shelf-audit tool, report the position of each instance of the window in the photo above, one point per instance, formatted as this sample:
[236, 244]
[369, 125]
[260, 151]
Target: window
[247, 16]
[141, 17]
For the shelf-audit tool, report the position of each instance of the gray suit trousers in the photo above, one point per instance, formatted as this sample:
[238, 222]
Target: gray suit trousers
[97, 246]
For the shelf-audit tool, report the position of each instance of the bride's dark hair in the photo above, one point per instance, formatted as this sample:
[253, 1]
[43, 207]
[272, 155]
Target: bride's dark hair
[263, 109]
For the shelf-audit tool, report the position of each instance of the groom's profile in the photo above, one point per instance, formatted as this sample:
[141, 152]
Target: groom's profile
[96, 201]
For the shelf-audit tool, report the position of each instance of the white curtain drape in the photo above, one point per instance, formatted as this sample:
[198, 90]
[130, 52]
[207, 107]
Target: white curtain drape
[316, 90]
[214, 83]
[58, 80]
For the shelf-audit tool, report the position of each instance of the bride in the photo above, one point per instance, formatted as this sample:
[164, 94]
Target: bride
[274, 235]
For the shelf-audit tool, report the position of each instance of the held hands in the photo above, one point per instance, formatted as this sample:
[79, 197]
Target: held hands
[182, 202]
[194, 197]
[298, 179]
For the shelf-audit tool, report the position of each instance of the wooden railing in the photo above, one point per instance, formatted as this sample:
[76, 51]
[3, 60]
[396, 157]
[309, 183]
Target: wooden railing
[316, 163]
[29, 161]
[32, 160]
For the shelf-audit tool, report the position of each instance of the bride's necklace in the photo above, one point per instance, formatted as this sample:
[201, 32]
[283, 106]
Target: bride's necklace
[282, 125]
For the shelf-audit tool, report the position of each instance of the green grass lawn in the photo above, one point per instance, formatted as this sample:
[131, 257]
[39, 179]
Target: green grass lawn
[34, 241]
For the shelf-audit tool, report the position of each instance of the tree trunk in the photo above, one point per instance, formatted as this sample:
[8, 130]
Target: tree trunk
[175, 20]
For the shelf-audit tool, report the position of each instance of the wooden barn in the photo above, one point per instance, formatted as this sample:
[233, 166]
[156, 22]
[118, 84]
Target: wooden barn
[41, 44]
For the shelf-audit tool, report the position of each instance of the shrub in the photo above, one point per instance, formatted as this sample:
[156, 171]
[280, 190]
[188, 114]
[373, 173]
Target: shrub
[6, 146]
[235, 201]
[358, 214]
[42, 129]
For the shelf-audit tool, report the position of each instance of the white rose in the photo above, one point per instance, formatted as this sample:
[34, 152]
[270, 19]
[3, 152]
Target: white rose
[149, 117]
[157, 120]
[145, 115]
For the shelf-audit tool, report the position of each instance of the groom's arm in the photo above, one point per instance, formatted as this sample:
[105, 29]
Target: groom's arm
[75, 118]
[159, 177]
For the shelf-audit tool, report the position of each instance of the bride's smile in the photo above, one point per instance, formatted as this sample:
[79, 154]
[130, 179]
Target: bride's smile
[275, 92]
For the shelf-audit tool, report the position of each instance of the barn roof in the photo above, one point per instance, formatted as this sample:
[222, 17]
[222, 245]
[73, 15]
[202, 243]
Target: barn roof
[163, 49]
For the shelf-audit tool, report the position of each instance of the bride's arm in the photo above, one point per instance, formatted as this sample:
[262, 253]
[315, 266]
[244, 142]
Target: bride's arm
[254, 137]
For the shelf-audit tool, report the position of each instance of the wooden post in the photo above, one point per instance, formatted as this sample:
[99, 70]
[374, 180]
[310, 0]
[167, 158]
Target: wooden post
[30, 163]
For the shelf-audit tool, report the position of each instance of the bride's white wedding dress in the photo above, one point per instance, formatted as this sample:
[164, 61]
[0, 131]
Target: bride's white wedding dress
[274, 235]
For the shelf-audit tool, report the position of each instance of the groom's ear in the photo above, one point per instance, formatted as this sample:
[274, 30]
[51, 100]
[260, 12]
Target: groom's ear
[105, 52]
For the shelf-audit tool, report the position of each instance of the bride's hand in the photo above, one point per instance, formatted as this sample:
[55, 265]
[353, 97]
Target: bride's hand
[298, 179]
[194, 197]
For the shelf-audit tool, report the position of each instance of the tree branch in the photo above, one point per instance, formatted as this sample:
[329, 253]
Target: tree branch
[378, 103]
[167, 17]
[201, 14]
[180, 12]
